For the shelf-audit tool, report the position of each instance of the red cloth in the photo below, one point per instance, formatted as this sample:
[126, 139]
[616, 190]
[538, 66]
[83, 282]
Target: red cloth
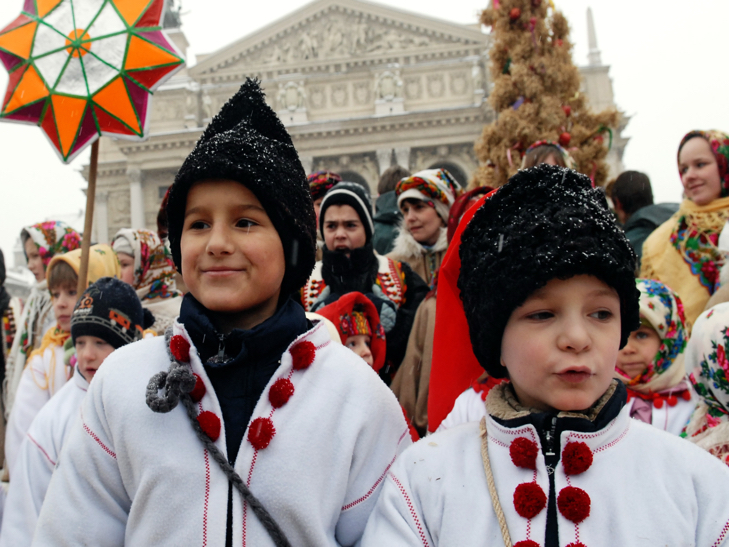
[454, 366]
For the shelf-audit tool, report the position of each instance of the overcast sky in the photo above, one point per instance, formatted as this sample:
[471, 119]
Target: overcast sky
[667, 63]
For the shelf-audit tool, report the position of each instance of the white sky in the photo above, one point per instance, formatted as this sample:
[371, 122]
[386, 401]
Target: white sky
[667, 63]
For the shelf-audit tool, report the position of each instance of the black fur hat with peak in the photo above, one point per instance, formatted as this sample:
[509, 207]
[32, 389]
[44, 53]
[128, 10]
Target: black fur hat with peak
[547, 222]
[247, 143]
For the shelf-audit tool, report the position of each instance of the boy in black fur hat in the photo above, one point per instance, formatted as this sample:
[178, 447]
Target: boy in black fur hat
[547, 292]
[257, 429]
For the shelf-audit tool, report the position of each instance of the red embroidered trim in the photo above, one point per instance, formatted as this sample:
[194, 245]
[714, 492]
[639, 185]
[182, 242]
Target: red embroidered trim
[180, 348]
[524, 452]
[529, 499]
[198, 392]
[302, 355]
[210, 424]
[574, 504]
[93, 436]
[207, 498]
[577, 544]
[413, 513]
[576, 458]
[41, 449]
[721, 537]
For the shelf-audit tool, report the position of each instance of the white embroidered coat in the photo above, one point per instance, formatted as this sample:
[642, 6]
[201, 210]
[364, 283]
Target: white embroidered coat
[36, 462]
[646, 487]
[130, 476]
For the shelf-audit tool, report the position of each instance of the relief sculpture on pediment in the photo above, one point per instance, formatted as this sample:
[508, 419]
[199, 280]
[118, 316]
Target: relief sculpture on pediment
[339, 36]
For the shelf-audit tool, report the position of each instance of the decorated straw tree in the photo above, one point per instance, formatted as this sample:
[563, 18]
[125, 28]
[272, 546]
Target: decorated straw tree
[536, 94]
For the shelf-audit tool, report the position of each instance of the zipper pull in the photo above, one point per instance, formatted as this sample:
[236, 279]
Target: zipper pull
[221, 348]
[550, 438]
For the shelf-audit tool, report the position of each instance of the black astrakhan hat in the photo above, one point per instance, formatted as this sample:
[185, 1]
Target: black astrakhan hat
[356, 196]
[547, 222]
[109, 309]
[247, 143]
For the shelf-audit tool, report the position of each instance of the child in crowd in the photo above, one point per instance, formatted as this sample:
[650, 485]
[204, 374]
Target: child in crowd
[46, 372]
[242, 393]
[358, 324]
[651, 364]
[146, 264]
[425, 199]
[41, 242]
[706, 360]
[551, 462]
[107, 317]
[547, 152]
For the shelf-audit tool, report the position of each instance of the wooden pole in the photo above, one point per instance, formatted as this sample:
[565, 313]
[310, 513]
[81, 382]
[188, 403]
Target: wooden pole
[83, 272]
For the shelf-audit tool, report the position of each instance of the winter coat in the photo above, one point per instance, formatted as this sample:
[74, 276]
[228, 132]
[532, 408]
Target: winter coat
[154, 483]
[412, 380]
[437, 494]
[646, 219]
[387, 217]
[37, 459]
[424, 261]
[42, 378]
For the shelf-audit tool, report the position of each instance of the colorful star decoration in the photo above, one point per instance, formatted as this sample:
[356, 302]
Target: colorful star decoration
[84, 68]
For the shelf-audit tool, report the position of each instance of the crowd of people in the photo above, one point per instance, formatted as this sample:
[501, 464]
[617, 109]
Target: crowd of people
[446, 367]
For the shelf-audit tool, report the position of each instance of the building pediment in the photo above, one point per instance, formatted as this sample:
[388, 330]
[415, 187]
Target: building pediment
[332, 31]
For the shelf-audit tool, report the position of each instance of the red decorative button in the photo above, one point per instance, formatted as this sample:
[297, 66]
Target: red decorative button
[529, 499]
[180, 348]
[198, 392]
[524, 452]
[280, 392]
[526, 543]
[303, 354]
[260, 432]
[574, 504]
[210, 424]
[576, 458]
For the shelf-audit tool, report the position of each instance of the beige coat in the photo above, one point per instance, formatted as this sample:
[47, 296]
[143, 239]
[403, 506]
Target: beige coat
[424, 262]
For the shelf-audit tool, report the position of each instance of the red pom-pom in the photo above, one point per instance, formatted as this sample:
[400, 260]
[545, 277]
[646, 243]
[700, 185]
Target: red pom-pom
[524, 452]
[672, 400]
[574, 504]
[210, 424]
[564, 139]
[658, 403]
[567, 109]
[514, 14]
[529, 499]
[180, 348]
[576, 458]
[303, 354]
[280, 392]
[261, 432]
[198, 392]
[526, 543]
[686, 396]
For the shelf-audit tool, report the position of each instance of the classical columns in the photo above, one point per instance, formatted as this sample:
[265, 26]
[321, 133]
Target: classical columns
[402, 157]
[101, 217]
[384, 158]
[136, 200]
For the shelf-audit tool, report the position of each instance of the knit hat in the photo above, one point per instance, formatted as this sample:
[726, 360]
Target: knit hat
[52, 237]
[102, 262]
[436, 187]
[247, 143]
[569, 162]
[321, 182]
[356, 196]
[661, 309]
[546, 223]
[719, 143]
[355, 314]
[109, 309]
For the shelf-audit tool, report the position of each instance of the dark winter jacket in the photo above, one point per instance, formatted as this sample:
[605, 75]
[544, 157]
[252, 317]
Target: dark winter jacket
[642, 223]
[387, 217]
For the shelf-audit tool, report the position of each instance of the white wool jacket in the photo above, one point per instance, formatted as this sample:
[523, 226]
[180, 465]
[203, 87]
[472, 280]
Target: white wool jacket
[37, 460]
[437, 494]
[131, 476]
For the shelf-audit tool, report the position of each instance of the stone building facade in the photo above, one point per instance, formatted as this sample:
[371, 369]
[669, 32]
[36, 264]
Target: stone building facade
[360, 86]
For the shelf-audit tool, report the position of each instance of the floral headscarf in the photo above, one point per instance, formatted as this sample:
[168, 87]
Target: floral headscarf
[696, 235]
[569, 162]
[719, 143]
[321, 182]
[661, 309]
[51, 237]
[706, 358]
[153, 267]
[436, 187]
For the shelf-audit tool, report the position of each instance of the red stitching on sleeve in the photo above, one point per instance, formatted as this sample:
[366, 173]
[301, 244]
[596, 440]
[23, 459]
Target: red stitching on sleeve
[42, 450]
[96, 438]
[413, 514]
[722, 536]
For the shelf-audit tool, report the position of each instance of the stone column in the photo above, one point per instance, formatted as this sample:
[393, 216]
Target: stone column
[136, 200]
[384, 158]
[402, 157]
[101, 217]
[308, 163]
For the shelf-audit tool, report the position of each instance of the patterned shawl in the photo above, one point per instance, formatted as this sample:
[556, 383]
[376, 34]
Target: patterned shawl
[51, 237]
